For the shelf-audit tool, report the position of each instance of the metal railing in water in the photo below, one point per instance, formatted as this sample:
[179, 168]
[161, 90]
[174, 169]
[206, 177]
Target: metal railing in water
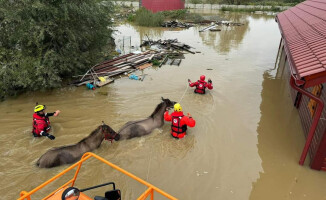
[149, 192]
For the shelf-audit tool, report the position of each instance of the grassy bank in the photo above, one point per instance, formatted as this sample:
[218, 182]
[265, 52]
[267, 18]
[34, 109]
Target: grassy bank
[143, 17]
[254, 9]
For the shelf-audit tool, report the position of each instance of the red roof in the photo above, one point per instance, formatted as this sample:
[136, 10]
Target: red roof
[303, 29]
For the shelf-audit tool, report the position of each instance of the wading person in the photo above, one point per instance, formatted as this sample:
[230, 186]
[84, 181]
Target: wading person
[179, 121]
[41, 122]
[201, 85]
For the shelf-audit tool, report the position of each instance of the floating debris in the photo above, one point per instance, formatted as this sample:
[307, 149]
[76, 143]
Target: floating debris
[102, 73]
[176, 24]
[229, 23]
[212, 26]
[170, 44]
[214, 29]
[173, 62]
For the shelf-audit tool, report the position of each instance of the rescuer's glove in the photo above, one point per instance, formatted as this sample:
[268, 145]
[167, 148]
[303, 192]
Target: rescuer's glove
[51, 137]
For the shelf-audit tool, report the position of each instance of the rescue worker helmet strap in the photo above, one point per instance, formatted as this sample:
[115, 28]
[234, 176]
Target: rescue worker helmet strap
[177, 107]
[39, 108]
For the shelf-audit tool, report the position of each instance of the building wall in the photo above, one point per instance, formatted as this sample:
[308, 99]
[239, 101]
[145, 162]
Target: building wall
[162, 5]
[319, 141]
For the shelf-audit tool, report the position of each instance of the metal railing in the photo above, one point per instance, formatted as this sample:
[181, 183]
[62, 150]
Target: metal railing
[149, 192]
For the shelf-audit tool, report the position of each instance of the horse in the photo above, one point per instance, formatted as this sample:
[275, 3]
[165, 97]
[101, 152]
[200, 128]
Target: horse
[69, 154]
[145, 126]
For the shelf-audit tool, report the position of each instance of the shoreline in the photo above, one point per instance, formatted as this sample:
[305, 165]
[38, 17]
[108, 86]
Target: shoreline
[209, 6]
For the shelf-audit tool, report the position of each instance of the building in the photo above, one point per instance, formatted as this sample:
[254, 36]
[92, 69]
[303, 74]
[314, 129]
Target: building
[302, 52]
[162, 5]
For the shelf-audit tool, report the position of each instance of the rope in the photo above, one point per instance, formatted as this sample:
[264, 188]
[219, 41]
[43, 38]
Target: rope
[149, 164]
[184, 93]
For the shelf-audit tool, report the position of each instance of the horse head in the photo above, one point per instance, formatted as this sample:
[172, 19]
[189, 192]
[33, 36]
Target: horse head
[109, 133]
[168, 102]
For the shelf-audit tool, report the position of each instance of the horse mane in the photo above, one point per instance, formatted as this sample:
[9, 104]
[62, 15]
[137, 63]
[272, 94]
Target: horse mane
[90, 135]
[158, 107]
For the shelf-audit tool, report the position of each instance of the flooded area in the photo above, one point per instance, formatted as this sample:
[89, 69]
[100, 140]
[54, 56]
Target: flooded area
[246, 143]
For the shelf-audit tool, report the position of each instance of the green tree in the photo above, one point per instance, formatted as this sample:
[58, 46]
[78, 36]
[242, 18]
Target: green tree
[44, 41]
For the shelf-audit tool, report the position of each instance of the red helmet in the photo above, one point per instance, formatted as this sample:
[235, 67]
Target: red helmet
[202, 77]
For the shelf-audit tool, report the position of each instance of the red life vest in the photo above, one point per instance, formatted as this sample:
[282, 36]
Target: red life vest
[200, 87]
[40, 123]
[176, 128]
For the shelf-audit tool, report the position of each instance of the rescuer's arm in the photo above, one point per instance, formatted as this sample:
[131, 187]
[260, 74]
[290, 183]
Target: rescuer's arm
[189, 121]
[44, 133]
[192, 84]
[56, 113]
[210, 84]
[167, 116]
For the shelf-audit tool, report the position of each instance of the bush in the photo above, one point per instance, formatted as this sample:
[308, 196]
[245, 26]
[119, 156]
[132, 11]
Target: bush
[155, 62]
[146, 18]
[175, 14]
[131, 18]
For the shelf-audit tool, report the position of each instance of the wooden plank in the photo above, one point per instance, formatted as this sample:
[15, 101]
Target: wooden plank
[172, 62]
[163, 61]
[169, 61]
[207, 28]
[176, 62]
[144, 66]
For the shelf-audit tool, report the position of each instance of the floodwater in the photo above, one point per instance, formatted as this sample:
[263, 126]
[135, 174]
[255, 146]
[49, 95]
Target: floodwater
[246, 144]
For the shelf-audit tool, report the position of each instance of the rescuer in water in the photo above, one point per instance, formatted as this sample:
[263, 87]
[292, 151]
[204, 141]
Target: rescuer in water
[179, 121]
[41, 122]
[201, 85]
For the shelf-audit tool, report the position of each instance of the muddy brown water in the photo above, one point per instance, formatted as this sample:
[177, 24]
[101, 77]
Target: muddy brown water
[246, 144]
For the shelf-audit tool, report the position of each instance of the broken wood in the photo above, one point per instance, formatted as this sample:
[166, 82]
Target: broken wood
[144, 66]
[208, 28]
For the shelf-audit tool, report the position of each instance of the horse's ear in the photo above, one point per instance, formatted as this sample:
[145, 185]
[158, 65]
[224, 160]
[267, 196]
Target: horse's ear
[36, 103]
[103, 123]
[162, 99]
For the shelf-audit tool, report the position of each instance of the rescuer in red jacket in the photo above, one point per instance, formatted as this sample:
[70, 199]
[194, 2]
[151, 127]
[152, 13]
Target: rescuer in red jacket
[41, 122]
[201, 85]
[179, 121]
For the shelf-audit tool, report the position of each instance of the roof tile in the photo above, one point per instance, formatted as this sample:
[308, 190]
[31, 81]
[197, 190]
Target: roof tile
[303, 28]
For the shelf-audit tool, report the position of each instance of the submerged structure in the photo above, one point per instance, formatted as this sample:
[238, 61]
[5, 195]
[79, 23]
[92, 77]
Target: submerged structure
[162, 5]
[302, 54]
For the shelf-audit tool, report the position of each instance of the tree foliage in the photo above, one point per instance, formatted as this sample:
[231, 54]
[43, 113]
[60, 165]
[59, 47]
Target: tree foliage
[44, 41]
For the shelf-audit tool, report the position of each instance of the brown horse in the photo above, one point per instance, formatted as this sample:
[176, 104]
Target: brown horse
[146, 126]
[70, 154]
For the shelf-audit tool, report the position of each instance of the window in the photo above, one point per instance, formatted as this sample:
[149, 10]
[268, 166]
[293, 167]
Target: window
[312, 103]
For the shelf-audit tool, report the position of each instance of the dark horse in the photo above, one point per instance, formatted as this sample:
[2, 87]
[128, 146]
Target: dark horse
[146, 126]
[70, 154]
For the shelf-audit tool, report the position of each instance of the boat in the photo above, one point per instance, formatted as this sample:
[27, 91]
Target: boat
[69, 191]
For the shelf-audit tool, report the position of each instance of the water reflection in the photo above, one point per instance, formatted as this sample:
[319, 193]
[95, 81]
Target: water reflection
[280, 142]
[230, 36]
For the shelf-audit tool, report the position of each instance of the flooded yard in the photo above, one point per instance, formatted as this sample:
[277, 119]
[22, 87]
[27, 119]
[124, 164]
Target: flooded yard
[246, 143]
